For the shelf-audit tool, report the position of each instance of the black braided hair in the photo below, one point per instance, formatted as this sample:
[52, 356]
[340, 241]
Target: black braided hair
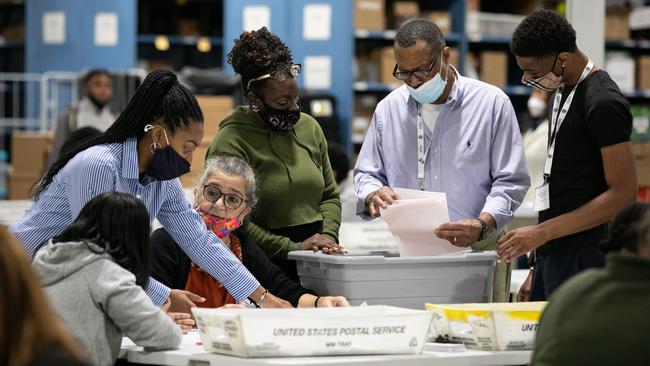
[159, 97]
[258, 53]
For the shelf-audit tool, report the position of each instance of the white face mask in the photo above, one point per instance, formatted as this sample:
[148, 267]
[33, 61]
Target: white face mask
[431, 90]
[536, 107]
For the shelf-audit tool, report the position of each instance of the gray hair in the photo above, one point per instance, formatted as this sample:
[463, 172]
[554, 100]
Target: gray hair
[232, 166]
[419, 29]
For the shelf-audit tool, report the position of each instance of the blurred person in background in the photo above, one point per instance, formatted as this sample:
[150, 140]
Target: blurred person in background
[91, 111]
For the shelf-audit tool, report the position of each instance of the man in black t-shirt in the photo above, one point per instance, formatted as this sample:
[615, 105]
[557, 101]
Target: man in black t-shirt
[589, 174]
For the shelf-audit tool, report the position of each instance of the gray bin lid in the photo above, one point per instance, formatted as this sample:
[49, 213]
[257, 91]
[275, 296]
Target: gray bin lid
[372, 257]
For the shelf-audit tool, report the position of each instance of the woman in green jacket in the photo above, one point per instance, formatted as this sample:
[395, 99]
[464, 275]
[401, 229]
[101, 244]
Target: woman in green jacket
[299, 206]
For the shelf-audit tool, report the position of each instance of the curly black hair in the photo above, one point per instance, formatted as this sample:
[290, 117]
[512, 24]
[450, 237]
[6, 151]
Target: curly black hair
[543, 33]
[257, 53]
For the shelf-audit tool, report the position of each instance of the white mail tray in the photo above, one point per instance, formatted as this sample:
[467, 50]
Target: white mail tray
[313, 331]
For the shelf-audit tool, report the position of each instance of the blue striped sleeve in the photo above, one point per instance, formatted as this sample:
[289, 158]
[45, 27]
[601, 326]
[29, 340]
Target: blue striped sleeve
[90, 176]
[202, 246]
[157, 292]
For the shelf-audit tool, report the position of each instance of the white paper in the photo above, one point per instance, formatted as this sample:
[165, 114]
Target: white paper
[366, 235]
[256, 17]
[414, 217]
[318, 72]
[106, 29]
[317, 22]
[54, 27]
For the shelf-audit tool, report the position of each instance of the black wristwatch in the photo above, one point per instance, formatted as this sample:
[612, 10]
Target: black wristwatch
[484, 229]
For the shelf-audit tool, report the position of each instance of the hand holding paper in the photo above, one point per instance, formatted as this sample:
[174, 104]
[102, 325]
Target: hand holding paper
[413, 217]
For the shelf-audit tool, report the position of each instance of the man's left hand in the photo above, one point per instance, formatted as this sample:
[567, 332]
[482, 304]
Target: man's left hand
[461, 233]
[519, 242]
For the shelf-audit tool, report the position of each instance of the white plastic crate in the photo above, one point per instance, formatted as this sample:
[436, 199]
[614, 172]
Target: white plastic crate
[480, 24]
[383, 278]
[313, 331]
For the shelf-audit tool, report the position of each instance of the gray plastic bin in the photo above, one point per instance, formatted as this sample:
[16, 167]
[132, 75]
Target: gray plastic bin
[387, 279]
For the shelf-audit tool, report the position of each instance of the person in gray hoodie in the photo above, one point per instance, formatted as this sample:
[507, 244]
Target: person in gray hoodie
[94, 273]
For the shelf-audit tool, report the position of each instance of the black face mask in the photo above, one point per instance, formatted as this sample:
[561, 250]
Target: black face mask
[279, 119]
[166, 163]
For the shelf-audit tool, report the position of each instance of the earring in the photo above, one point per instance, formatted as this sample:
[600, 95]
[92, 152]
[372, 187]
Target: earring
[255, 108]
[154, 146]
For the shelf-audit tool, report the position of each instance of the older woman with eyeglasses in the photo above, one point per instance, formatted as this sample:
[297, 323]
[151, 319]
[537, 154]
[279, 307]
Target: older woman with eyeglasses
[224, 197]
[299, 199]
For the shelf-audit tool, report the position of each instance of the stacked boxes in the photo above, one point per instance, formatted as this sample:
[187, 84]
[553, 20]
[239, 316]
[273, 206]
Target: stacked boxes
[29, 155]
[215, 109]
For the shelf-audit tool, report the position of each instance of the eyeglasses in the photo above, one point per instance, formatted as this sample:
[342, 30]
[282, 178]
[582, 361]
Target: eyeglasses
[213, 194]
[279, 75]
[420, 74]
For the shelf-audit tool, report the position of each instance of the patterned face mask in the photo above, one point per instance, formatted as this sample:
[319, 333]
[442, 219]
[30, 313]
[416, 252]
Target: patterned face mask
[278, 119]
[220, 227]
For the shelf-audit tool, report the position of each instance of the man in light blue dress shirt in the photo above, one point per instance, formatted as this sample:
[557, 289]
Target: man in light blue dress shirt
[467, 135]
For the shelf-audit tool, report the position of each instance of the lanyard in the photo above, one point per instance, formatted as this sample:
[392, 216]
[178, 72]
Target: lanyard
[422, 152]
[557, 117]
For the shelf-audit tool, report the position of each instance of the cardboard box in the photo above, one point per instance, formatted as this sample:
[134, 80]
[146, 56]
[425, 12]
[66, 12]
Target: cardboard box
[190, 179]
[494, 68]
[403, 11]
[313, 331]
[20, 185]
[384, 58]
[440, 18]
[620, 66]
[215, 109]
[454, 58]
[364, 107]
[641, 151]
[617, 25]
[29, 152]
[643, 72]
[369, 15]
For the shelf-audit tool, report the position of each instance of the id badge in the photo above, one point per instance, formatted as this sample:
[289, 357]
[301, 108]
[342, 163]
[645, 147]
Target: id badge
[542, 198]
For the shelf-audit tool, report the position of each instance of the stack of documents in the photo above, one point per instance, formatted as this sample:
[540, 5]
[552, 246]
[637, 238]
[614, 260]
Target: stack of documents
[414, 217]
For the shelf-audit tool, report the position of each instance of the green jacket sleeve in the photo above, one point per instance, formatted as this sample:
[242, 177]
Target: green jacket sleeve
[330, 206]
[275, 246]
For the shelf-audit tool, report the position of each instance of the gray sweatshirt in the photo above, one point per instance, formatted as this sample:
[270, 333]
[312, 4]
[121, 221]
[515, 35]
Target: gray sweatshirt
[98, 300]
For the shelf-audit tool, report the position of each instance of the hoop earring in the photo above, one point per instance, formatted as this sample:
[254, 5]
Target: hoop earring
[154, 146]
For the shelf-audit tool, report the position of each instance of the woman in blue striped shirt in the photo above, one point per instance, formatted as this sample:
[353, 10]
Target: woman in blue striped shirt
[143, 153]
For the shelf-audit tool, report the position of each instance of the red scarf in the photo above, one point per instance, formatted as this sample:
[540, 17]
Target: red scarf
[199, 281]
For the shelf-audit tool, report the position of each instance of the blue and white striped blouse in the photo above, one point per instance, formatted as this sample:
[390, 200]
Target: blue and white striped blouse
[114, 167]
